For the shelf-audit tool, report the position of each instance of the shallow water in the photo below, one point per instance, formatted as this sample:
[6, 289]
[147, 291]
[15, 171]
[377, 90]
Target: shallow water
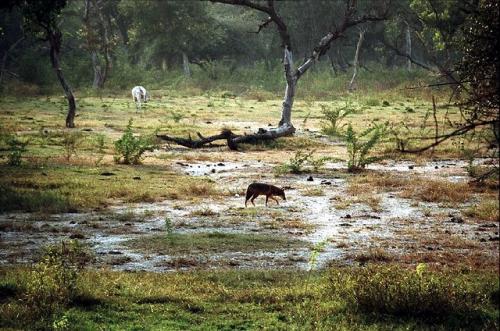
[400, 225]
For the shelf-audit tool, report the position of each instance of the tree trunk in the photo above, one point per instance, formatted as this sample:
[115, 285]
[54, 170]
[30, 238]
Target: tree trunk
[408, 46]
[107, 45]
[356, 59]
[185, 65]
[55, 39]
[98, 75]
[291, 81]
[5, 56]
[285, 126]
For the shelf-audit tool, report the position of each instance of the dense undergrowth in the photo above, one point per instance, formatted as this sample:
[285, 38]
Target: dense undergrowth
[351, 298]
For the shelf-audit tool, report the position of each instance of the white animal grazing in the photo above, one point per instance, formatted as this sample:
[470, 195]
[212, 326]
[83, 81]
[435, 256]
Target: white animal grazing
[139, 94]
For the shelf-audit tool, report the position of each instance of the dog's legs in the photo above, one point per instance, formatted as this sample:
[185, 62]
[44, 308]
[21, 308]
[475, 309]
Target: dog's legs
[253, 198]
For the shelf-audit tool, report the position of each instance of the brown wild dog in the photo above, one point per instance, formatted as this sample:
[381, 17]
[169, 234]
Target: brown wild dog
[256, 189]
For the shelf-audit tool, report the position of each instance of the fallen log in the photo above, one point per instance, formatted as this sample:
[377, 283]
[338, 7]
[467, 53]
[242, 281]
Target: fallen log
[232, 140]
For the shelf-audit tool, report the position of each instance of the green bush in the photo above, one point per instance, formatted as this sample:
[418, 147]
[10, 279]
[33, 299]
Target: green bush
[401, 292]
[70, 142]
[358, 149]
[334, 116]
[53, 282]
[130, 148]
[16, 148]
[301, 162]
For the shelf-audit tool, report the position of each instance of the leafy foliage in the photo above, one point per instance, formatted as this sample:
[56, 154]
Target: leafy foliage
[100, 145]
[301, 162]
[53, 282]
[359, 148]
[400, 292]
[130, 148]
[16, 149]
[70, 142]
[334, 116]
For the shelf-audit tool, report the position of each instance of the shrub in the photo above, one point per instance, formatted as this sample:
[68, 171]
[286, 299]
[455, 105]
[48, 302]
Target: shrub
[100, 145]
[52, 283]
[130, 148]
[411, 293]
[70, 142]
[359, 149]
[334, 116]
[298, 163]
[16, 149]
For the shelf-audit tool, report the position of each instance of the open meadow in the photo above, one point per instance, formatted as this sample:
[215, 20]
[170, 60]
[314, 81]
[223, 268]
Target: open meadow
[183, 211]
[249, 165]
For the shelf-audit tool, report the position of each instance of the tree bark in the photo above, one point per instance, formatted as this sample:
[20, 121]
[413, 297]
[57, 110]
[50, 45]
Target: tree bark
[408, 46]
[356, 59]
[55, 39]
[98, 79]
[100, 47]
[185, 65]
[106, 47]
[291, 81]
[5, 56]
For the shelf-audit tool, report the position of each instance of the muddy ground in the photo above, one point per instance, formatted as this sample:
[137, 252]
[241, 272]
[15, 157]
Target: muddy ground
[313, 228]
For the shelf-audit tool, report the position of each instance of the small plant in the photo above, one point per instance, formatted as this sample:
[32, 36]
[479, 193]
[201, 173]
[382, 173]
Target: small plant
[372, 102]
[301, 162]
[334, 116]
[130, 148]
[16, 149]
[385, 103]
[316, 250]
[70, 142]
[177, 117]
[359, 149]
[100, 145]
[169, 227]
[295, 165]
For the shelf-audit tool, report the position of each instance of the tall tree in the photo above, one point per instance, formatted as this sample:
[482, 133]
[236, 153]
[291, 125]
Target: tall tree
[41, 18]
[99, 38]
[285, 127]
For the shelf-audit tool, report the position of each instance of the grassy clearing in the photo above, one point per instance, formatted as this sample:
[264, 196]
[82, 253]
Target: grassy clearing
[417, 188]
[338, 298]
[438, 191]
[63, 188]
[212, 243]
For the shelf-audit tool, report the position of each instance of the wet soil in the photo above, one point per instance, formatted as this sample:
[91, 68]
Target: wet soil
[398, 230]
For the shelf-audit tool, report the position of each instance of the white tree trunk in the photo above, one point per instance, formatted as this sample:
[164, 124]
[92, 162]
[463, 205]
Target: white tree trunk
[291, 81]
[185, 65]
[356, 59]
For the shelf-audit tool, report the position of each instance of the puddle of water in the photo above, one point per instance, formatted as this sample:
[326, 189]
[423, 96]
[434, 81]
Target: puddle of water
[207, 169]
[340, 234]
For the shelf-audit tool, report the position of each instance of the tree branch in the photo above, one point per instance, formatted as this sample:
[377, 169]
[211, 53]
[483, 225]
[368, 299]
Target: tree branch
[439, 139]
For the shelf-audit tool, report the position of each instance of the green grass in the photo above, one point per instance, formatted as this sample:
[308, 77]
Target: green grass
[212, 243]
[62, 188]
[337, 298]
